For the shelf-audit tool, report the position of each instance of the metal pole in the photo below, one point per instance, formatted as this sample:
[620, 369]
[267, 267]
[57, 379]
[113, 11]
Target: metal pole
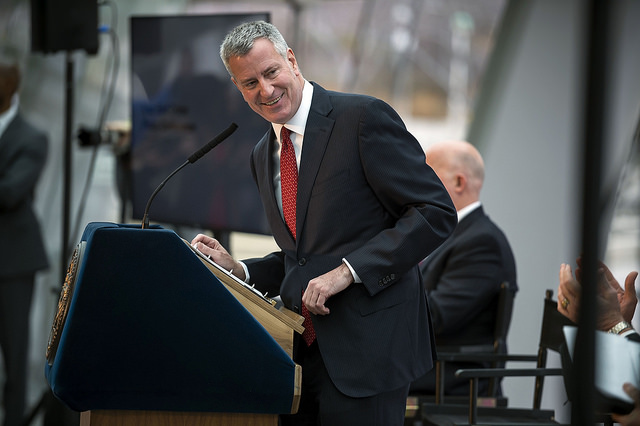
[67, 165]
[583, 371]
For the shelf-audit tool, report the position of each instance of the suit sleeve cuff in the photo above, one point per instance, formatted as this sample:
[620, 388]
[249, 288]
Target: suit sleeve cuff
[356, 278]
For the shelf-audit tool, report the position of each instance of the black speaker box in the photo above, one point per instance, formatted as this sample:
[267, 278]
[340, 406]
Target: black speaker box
[64, 25]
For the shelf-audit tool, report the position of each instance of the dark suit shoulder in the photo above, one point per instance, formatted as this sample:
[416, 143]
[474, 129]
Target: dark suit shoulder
[477, 242]
[26, 130]
[477, 223]
[24, 140]
[323, 98]
[21, 139]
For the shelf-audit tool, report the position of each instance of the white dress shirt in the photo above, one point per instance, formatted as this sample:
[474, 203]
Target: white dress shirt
[297, 126]
[7, 116]
[468, 209]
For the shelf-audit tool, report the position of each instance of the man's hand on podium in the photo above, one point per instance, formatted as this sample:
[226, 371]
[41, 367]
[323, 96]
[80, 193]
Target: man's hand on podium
[215, 251]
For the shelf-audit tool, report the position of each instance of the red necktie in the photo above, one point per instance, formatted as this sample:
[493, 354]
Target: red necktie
[289, 188]
[309, 334]
[288, 180]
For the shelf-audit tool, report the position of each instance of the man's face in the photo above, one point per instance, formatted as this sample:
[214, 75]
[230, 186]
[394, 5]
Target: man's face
[269, 83]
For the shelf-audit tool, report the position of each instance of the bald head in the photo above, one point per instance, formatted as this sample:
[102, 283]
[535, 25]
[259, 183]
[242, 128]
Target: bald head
[460, 167]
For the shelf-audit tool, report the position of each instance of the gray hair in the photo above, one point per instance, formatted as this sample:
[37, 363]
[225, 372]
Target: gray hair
[240, 40]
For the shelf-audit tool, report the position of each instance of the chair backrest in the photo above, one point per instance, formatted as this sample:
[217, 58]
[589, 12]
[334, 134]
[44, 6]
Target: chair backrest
[503, 317]
[551, 339]
[504, 312]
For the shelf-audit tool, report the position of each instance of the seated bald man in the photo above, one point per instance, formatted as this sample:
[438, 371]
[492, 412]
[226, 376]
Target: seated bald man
[463, 276]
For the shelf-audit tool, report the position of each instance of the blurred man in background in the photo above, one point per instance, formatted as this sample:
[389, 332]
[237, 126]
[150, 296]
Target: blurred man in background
[23, 152]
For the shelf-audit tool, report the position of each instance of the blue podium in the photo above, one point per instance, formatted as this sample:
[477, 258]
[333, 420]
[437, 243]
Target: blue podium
[147, 331]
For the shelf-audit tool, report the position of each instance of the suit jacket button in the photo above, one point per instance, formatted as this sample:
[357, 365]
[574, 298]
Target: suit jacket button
[302, 261]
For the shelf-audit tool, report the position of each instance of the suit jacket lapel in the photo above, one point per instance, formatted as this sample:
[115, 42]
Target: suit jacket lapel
[263, 155]
[9, 140]
[316, 137]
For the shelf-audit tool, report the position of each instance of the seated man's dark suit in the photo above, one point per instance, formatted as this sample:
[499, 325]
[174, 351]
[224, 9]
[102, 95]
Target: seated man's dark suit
[462, 279]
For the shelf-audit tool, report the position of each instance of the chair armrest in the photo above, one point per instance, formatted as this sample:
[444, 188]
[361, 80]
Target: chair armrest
[485, 357]
[473, 374]
[480, 373]
[489, 357]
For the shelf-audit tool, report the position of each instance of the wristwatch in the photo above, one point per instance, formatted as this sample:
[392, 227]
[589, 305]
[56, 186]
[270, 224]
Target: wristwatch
[622, 325]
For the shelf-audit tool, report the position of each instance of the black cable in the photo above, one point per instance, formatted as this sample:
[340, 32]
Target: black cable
[106, 97]
[109, 91]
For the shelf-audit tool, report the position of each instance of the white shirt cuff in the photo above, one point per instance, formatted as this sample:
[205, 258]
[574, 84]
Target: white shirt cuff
[628, 332]
[246, 272]
[356, 278]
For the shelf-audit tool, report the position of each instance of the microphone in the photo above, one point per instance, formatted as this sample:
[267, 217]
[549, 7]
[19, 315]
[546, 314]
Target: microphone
[192, 159]
[214, 142]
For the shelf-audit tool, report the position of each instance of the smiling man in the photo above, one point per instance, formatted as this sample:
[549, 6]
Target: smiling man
[270, 81]
[353, 207]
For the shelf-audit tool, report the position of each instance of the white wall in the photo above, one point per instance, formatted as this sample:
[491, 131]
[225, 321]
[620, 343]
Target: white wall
[528, 127]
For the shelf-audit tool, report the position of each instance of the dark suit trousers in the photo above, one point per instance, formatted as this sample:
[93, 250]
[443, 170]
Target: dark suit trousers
[322, 404]
[15, 308]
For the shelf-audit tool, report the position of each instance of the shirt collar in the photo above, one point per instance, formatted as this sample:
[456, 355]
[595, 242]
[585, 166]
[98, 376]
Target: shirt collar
[463, 212]
[8, 115]
[298, 122]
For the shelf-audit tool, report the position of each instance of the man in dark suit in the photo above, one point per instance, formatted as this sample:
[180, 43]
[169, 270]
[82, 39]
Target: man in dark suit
[368, 210]
[23, 152]
[463, 276]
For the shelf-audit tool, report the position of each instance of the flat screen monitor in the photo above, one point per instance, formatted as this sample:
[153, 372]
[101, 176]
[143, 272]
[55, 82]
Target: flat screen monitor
[182, 97]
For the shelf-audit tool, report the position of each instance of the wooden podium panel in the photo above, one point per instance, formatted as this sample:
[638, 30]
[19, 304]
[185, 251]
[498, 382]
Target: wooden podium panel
[171, 418]
[279, 323]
